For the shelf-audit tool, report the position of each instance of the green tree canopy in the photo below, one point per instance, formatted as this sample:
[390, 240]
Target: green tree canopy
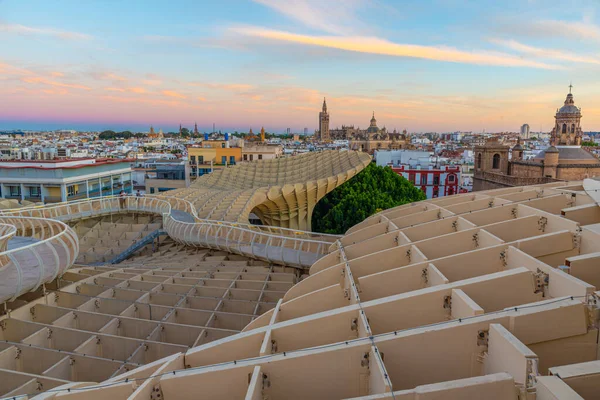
[372, 190]
[589, 144]
[111, 135]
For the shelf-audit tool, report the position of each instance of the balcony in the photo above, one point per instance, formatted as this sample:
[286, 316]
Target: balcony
[77, 196]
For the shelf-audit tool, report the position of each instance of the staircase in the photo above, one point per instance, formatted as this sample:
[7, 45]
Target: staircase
[138, 245]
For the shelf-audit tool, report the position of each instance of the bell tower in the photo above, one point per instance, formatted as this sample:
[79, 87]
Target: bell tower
[567, 127]
[324, 123]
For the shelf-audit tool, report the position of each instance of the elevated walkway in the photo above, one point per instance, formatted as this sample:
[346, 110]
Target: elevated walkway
[275, 245]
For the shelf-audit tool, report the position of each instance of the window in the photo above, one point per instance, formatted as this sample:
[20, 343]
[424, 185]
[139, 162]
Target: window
[436, 180]
[34, 191]
[193, 159]
[436, 192]
[451, 178]
[200, 159]
[71, 190]
[222, 145]
[573, 128]
[564, 129]
[423, 179]
[151, 190]
[479, 161]
[245, 157]
[496, 161]
[232, 160]
[411, 177]
[15, 191]
[223, 160]
[251, 157]
[260, 156]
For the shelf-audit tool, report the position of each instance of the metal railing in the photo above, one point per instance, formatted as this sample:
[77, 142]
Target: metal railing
[272, 244]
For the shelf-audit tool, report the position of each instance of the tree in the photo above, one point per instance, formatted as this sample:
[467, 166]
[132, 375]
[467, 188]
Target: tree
[372, 190]
[107, 135]
[589, 144]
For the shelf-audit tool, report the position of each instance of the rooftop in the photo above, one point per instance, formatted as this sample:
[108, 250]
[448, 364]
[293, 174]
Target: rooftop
[67, 163]
[456, 297]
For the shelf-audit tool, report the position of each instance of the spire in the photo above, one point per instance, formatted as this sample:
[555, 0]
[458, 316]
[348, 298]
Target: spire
[373, 120]
[195, 127]
[324, 105]
[180, 129]
[570, 87]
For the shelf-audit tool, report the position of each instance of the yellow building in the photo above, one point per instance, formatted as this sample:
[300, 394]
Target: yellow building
[213, 155]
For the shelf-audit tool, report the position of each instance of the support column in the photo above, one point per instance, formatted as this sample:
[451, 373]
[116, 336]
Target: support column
[112, 185]
[63, 192]
[100, 186]
[42, 192]
[22, 192]
[87, 188]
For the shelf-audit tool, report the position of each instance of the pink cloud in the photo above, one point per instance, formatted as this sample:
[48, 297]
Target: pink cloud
[114, 89]
[375, 45]
[172, 93]
[29, 30]
[114, 77]
[138, 90]
[44, 81]
[236, 87]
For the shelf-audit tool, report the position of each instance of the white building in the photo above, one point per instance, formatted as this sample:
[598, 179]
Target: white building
[399, 157]
[62, 180]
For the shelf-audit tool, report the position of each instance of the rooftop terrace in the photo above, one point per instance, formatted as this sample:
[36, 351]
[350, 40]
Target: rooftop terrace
[490, 295]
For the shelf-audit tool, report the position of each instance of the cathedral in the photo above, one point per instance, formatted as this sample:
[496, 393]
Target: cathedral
[153, 135]
[564, 159]
[367, 140]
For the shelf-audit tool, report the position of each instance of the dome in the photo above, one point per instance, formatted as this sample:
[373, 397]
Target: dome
[518, 147]
[551, 149]
[569, 107]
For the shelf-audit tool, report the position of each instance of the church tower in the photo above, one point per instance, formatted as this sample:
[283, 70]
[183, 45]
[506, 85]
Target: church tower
[567, 128]
[196, 128]
[324, 123]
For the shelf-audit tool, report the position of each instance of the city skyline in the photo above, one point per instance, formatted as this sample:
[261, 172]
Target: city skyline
[444, 66]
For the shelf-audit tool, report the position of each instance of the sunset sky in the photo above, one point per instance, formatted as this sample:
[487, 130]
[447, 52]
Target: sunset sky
[443, 65]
